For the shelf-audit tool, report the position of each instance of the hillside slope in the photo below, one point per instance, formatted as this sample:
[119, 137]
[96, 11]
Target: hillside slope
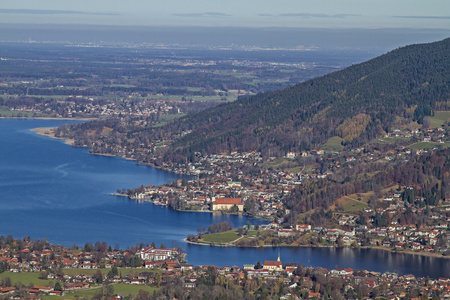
[357, 104]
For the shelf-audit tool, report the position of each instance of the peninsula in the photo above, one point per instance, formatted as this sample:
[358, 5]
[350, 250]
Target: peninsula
[50, 132]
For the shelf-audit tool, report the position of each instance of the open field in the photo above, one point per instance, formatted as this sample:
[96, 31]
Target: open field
[193, 98]
[133, 289]
[26, 278]
[428, 145]
[277, 162]
[166, 118]
[351, 204]
[392, 139]
[220, 238]
[76, 295]
[17, 113]
[125, 289]
[333, 144]
[439, 118]
[32, 278]
[282, 164]
[171, 117]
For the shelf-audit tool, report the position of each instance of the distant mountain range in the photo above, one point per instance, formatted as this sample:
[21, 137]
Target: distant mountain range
[356, 104]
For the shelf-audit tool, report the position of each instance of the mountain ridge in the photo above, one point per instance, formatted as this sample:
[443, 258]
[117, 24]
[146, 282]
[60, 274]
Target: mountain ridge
[304, 116]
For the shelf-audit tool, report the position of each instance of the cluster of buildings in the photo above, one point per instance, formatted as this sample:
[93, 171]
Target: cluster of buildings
[80, 106]
[29, 258]
[393, 237]
[225, 188]
[51, 261]
[436, 135]
[294, 281]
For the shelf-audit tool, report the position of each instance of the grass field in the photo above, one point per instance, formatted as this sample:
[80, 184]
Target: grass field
[89, 272]
[54, 97]
[161, 144]
[10, 114]
[132, 289]
[333, 144]
[428, 145]
[160, 124]
[295, 170]
[282, 164]
[277, 162]
[194, 98]
[439, 118]
[26, 278]
[32, 278]
[125, 289]
[253, 232]
[166, 118]
[77, 295]
[171, 117]
[221, 238]
[393, 139]
[351, 204]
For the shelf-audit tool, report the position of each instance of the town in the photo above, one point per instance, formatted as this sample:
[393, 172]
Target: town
[63, 271]
[226, 183]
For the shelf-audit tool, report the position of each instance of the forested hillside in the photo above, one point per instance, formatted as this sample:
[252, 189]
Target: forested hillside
[357, 104]
[427, 175]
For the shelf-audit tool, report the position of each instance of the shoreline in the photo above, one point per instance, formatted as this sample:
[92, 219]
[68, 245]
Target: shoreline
[424, 254]
[50, 132]
[51, 118]
[409, 252]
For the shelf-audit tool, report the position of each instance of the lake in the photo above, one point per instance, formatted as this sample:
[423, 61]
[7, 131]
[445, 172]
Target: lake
[51, 190]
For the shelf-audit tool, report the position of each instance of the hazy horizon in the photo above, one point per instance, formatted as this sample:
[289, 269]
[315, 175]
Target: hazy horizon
[373, 40]
[371, 25]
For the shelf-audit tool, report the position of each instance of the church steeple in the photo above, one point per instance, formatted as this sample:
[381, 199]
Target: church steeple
[279, 259]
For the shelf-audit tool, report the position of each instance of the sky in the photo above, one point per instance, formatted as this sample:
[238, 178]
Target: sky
[365, 14]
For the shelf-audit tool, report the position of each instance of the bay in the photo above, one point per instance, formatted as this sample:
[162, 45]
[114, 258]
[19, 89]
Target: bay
[51, 190]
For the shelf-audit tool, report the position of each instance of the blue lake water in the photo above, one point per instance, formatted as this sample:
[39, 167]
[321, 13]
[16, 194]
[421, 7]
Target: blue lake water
[62, 193]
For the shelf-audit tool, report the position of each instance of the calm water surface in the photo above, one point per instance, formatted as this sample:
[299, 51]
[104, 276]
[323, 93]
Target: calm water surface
[55, 191]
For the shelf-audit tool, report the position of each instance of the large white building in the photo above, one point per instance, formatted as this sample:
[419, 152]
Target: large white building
[154, 254]
[227, 204]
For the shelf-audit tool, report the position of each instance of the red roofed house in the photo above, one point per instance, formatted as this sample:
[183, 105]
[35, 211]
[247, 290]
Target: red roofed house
[7, 290]
[303, 227]
[227, 204]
